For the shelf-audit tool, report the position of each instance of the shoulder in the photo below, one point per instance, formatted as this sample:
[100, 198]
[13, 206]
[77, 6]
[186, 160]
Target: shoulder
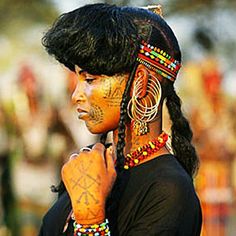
[167, 183]
[169, 196]
[172, 189]
[170, 179]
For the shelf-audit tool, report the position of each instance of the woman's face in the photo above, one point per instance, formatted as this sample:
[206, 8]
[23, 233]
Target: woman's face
[97, 99]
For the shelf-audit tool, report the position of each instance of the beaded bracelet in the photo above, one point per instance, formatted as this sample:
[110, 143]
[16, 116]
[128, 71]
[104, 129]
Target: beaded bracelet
[96, 229]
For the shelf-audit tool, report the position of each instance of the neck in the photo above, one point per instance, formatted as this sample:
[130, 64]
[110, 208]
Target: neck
[132, 141]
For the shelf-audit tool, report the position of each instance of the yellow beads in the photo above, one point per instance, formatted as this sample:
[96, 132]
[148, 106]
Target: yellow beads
[128, 155]
[152, 145]
[160, 140]
[94, 226]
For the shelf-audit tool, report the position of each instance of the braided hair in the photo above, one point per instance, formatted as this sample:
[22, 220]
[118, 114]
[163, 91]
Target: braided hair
[180, 131]
[105, 39]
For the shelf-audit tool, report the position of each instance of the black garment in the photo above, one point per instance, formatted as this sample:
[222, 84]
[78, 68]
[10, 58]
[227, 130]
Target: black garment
[155, 198]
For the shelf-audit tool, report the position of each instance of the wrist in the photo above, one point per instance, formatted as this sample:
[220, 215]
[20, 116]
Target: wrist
[89, 216]
[88, 222]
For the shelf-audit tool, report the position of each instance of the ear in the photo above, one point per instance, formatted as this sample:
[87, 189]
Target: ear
[141, 74]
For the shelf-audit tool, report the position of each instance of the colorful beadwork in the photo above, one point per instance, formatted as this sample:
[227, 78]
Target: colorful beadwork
[93, 230]
[142, 153]
[158, 60]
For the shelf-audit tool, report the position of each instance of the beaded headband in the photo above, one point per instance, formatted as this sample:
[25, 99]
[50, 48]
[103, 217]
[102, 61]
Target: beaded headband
[159, 61]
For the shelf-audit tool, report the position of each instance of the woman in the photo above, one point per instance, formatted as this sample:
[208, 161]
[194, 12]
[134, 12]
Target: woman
[126, 61]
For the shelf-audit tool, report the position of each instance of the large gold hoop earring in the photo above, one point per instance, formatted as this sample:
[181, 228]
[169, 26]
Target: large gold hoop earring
[141, 111]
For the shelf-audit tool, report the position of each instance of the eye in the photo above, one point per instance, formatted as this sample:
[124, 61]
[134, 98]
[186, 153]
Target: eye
[89, 80]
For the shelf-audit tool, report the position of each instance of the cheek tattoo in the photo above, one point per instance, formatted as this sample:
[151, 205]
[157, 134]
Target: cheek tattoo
[96, 114]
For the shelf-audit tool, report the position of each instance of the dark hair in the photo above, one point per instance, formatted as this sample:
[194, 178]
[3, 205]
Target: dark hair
[104, 39]
[181, 131]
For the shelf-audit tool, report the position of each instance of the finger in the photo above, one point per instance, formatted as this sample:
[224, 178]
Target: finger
[113, 153]
[99, 147]
[109, 159]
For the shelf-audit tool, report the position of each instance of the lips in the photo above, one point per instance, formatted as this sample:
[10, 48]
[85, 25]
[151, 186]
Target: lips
[82, 113]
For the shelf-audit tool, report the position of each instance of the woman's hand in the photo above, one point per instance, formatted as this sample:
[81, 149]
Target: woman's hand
[89, 177]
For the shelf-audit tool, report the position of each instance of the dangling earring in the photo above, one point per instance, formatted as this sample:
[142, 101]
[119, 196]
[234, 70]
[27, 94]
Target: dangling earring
[144, 110]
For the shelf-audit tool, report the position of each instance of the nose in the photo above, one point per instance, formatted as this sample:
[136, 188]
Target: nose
[78, 95]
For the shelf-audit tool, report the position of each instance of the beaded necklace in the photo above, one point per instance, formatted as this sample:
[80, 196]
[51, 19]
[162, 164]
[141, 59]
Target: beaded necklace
[134, 158]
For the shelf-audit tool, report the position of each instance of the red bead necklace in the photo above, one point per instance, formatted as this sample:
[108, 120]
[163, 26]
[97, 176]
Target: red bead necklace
[134, 158]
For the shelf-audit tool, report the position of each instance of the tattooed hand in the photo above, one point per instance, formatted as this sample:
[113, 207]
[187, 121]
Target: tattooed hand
[88, 178]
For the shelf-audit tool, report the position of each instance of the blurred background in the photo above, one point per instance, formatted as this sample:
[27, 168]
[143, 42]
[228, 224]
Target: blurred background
[39, 128]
